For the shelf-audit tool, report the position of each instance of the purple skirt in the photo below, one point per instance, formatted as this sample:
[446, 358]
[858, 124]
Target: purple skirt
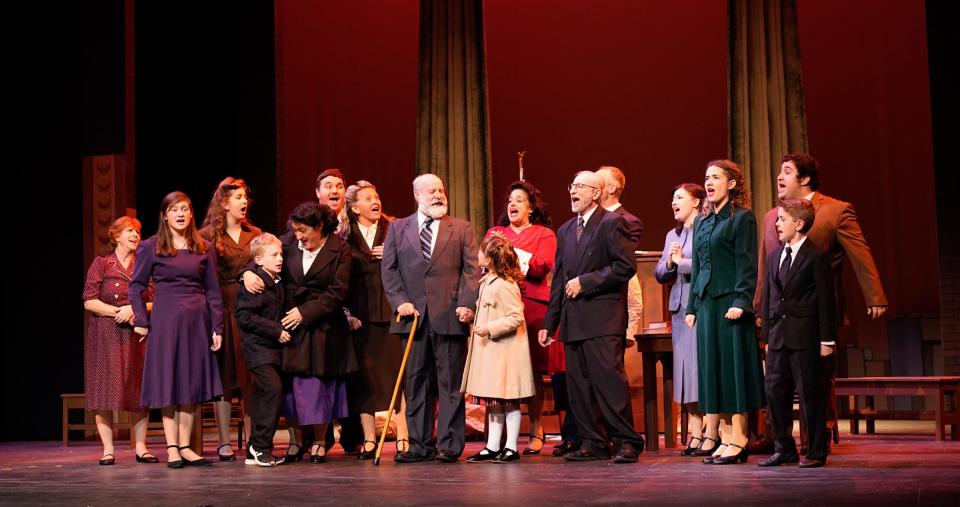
[315, 400]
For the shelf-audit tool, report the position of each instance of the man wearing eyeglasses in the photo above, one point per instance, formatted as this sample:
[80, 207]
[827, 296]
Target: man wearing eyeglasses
[588, 304]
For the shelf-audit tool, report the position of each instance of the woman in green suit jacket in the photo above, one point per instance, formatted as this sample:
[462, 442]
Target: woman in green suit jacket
[723, 279]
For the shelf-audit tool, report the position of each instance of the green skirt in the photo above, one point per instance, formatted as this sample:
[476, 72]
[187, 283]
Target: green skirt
[730, 373]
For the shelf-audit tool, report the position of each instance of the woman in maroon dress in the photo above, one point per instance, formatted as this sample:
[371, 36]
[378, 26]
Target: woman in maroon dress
[114, 353]
[185, 326]
[526, 224]
[227, 227]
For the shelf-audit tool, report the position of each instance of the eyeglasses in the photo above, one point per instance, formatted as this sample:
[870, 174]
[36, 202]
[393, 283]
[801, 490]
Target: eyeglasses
[578, 187]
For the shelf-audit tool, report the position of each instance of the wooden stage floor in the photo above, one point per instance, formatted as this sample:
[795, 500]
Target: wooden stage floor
[892, 468]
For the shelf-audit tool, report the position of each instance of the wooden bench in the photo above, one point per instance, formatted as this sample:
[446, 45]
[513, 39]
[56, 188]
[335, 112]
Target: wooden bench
[937, 387]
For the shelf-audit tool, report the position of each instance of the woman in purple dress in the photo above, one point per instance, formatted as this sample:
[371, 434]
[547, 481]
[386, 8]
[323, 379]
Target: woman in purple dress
[316, 277]
[185, 326]
[114, 363]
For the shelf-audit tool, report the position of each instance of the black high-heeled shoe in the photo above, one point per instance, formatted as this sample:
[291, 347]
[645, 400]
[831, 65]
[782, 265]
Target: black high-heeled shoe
[364, 453]
[406, 448]
[706, 452]
[107, 459]
[291, 457]
[226, 457]
[740, 457]
[175, 464]
[202, 462]
[533, 452]
[316, 457]
[717, 452]
[689, 450]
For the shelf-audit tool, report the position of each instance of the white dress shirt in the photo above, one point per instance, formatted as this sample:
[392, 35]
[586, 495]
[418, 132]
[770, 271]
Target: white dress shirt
[369, 233]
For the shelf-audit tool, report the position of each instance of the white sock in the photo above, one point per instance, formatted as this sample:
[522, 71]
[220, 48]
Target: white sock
[513, 429]
[495, 430]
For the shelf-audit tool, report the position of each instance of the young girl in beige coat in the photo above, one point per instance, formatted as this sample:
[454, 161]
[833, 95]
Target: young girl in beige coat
[498, 372]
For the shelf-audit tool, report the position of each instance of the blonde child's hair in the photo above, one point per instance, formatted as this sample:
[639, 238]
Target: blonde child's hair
[259, 243]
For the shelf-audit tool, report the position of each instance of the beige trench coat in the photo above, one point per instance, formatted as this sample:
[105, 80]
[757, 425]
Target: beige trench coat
[499, 366]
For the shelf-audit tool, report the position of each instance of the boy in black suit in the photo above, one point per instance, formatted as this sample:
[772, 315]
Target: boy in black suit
[262, 337]
[799, 325]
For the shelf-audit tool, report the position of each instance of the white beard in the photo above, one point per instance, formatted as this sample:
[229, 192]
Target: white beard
[435, 212]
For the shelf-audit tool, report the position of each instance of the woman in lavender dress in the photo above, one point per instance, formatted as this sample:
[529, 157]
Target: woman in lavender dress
[180, 369]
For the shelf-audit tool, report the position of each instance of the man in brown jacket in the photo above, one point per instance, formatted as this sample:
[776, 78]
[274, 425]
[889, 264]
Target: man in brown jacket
[837, 232]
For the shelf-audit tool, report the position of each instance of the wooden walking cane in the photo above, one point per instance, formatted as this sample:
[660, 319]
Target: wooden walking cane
[396, 387]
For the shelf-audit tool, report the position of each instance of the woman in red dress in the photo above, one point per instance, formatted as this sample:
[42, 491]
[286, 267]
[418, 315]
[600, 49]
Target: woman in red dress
[526, 224]
[114, 352]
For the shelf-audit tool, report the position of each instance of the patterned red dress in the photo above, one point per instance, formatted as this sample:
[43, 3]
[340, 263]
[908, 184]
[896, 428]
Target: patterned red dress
[114, 353]
[541, 243]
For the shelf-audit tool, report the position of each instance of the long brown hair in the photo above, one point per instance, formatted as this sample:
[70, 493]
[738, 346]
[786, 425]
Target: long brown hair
[503, 258]
[739, 194]
[165, 247]
[217, 216]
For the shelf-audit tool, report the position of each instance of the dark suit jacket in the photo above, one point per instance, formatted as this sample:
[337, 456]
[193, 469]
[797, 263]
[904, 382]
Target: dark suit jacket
[724, 257]
[800, 314]
[258, 316]
[323, 344]
[634, 225]
[603, 259]
[837, 233]
[367, 300]
[438, 288]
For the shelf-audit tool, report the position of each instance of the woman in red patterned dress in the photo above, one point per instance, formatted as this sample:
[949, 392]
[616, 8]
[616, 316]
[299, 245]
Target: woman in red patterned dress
[114, 353]
[526, 225]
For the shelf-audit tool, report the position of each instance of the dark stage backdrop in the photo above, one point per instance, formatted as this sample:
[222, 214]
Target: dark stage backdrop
[867, 90]
[347, 97]
[638, 85]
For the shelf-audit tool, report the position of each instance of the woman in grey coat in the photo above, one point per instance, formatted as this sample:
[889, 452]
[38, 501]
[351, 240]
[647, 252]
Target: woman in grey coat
[674, 269]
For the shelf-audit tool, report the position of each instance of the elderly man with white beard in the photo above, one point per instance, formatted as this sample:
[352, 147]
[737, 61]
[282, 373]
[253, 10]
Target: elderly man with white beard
[430, 269]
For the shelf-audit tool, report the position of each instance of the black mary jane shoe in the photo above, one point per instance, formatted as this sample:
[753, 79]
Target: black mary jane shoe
[507, 456]
[485, 454]
[147, 457]
[107, 459]
[717, 451]
[690, 449]
[405, 448]
[175, 464]
[292, 457]
[202, 462]
[364, 454]
[317, 458]
[700, 451]
[740, 457]
[226, 457]
[530, 451]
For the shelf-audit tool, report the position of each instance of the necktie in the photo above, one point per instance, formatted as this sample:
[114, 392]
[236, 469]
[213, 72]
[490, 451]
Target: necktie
[426, 238]
[580, 226]
[784, 267]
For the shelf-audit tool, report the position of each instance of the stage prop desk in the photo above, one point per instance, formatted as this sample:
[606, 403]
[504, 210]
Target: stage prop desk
[938, 387]
[656, 345]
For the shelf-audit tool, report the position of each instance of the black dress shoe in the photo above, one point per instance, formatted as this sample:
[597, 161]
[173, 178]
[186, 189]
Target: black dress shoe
[812, 463]
[690, 448]
[175, 464]
[582, 455]
[777, 459]
[316, 457]
[226, 457]
[715, 453]
[706, 452]
[529, 451]
[507, 456]
[411, 457]
[195, 463]
[626, 455]
[566, 447]
[147, 458]
[291, 457]
[364, 453]
[740, 457]
[107, 459]
[485, 454]
[446, 457]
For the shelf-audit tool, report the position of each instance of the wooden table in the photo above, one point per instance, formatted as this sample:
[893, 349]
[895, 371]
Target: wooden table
[937, 387]
[657, 345]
